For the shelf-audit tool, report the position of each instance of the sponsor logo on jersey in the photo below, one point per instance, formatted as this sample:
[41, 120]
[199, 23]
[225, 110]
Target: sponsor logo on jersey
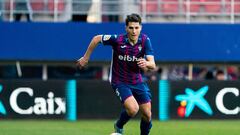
[106, 37]
[128, 58]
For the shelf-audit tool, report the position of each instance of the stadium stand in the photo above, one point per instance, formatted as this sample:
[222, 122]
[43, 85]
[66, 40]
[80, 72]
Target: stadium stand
[151, 10]
[170, 7]
[194, 6]
[7, 5]
[41, 10]
[213, 6]
[151, 6]
[183, 52]
[37, 5]
[59, 6]
[40, 5]
[236, 6]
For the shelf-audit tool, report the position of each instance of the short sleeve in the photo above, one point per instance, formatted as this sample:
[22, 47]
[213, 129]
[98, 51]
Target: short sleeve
[109, 39]
[148, 47]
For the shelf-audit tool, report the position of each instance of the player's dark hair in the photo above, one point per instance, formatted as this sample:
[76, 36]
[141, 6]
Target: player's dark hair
[133, 18]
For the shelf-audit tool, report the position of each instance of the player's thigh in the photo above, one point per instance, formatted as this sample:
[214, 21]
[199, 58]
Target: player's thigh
[142, 93]
[130, 104]
[123, 92]
[125, 95]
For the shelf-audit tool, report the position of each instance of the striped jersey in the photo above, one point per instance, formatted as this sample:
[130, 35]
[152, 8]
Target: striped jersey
[124, 68]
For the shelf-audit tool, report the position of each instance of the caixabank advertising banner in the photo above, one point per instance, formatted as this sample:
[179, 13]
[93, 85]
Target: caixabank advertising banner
[204, 99]
[97, 100]
[33, 99]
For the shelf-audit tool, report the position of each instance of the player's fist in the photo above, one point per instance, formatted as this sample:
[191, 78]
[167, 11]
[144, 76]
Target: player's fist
[142, 63]
[82, 62]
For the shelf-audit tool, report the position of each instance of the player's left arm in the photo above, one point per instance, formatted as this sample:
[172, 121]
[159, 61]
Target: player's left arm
[147, 64]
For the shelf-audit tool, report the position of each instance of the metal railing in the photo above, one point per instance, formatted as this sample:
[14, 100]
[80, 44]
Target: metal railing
[190, 10]
[186, 11]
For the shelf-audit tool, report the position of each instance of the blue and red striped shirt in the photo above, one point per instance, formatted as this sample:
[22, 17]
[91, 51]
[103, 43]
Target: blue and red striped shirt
[124, 68]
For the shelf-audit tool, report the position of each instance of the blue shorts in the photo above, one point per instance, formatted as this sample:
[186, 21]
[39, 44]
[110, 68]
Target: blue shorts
[140, 92]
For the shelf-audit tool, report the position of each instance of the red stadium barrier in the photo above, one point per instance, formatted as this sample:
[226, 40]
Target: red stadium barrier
[60, 6]
[170, 6]
[228, 7]
[213, 6]
[37, 5]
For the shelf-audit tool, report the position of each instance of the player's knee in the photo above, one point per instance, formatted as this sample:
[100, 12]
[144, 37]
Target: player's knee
[133, 111]
[147, 116]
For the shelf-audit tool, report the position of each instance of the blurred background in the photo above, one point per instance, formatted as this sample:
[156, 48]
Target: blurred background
[196, 46]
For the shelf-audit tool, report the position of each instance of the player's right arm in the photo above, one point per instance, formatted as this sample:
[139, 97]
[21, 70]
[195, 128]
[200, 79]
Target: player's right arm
[93, 44]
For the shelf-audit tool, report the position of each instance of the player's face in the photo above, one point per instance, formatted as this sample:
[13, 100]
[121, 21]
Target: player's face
[133, 30]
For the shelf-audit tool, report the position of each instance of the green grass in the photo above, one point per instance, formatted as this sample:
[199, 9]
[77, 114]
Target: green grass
[105, 127]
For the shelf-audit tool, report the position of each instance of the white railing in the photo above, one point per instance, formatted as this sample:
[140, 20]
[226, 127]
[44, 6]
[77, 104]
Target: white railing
[187, 11]
[53, 10]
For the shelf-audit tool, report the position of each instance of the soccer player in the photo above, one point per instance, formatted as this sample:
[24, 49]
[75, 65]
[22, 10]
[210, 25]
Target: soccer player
[132, 55]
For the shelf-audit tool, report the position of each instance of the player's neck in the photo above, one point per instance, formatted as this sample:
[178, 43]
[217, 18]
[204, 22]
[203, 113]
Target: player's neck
[132, 42]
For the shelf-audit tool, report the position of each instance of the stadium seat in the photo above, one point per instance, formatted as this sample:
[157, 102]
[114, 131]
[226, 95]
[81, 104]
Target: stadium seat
[37, 5]
[151, 6]
[195, 6]
[236, 6]
[213, 6]
[7, 5]
[60, 6]
[170, 6]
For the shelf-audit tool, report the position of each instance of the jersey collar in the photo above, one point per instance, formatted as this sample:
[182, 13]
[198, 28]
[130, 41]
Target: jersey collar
[138, 42]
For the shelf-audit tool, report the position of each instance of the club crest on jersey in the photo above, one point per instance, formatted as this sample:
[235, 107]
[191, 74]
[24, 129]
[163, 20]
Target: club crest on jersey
[106, 37]
[140, 48]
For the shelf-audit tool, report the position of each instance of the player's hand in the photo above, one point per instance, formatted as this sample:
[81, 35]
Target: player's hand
[142, 63]
[82, 62]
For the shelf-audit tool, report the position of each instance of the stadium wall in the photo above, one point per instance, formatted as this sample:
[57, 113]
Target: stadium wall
[33, 99]
[93, 99]
[199, 100]
[62, 99]
[67, 41]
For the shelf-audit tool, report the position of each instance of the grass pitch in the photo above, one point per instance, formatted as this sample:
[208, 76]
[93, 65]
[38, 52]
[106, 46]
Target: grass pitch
[105, 127]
